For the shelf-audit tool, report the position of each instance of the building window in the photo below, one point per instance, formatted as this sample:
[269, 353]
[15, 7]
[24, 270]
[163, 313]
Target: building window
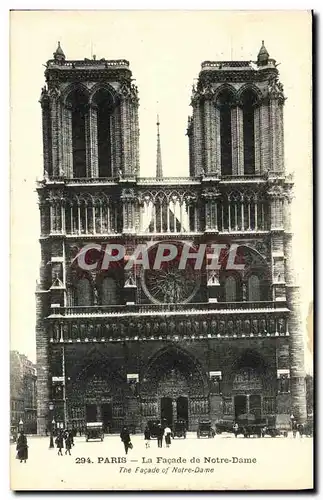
[254, 289]
[224, 103]
[83, 293]
[248, 101]
[104, 107]
[230, 289]
[77, 101]
[109, 291]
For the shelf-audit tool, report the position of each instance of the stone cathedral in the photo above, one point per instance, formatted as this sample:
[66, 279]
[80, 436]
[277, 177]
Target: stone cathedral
[125, 347]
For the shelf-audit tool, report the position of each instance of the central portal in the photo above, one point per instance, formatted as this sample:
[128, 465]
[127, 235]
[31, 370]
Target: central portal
[240, 405]
[166, 411]
[182, 409]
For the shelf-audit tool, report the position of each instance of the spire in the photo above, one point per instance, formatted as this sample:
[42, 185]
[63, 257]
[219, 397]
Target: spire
[59, 54]
[159, 166]
[263, 56]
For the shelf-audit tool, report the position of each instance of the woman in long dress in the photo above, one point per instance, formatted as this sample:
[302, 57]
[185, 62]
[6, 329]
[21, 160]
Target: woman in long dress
[22, 447]
[168, 434]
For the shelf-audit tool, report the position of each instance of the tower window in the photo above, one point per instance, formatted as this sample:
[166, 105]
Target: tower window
[248, 100]
[224, 103]
[78, 103]
[104, 107]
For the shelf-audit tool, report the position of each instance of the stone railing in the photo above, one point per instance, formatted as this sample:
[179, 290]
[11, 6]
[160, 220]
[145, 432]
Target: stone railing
[225, 64]
[112, 310]
[169, 180]
[117, 63]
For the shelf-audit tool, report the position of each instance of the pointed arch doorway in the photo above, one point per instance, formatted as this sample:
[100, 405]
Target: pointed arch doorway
[175, 387]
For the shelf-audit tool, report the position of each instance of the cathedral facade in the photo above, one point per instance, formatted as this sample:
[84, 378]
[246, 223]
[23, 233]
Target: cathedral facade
[125, 345]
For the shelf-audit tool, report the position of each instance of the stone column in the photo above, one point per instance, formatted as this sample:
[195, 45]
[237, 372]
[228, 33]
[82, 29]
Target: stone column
[67, 141]
[280, 133]
[209, 128]
[46, 125]
[257, 139]
[217, 140]
[125, 135]
[42, 348]
[197, 135]
[264, 137]
[93, 140]
[237, 140]
[274, 138]
[55, 111]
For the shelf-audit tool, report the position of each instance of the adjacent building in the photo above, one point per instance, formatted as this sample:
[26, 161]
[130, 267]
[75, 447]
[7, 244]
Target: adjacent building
[128, 346]
[23, 396]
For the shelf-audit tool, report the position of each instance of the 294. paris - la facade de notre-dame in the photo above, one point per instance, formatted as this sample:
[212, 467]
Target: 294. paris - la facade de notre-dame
[124, 347]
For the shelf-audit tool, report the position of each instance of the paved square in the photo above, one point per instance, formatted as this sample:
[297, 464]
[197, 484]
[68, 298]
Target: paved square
[268, 463]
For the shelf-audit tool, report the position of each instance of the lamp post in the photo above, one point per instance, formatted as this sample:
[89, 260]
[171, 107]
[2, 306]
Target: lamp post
[52, 422]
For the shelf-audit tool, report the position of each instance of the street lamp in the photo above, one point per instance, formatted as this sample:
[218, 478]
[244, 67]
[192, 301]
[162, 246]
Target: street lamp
[52, 422]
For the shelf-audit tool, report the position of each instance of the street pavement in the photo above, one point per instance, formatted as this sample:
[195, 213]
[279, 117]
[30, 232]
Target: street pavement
[221, 463]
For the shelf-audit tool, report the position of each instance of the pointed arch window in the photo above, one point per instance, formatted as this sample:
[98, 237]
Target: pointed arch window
[77, 102]
[225, 104]
[254, 289]
[103, 102]
[248, 106]
[230, 289]
[109, 291]
[83, 292]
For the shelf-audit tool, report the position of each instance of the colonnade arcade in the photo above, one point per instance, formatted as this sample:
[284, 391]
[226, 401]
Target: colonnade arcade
[163, 211]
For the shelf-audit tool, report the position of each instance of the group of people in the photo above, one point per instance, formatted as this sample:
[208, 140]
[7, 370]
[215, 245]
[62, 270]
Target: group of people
[68, 437]
[161, 432]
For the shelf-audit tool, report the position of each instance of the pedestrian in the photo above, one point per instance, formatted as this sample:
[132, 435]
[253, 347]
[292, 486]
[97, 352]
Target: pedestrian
[168, 435]
[125, 438]
[147, 436]
[22, 447]
[235, 429]
[68, 443]
[46, 432]
[294, 428]
[160, 435]
[301, 430]
[60, 443]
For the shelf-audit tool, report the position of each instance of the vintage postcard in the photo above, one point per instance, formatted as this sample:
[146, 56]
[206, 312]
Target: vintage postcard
[161, 170]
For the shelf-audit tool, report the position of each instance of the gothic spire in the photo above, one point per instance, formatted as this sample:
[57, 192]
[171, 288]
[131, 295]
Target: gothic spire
[159, 166]
[263, 56]
[59, 54]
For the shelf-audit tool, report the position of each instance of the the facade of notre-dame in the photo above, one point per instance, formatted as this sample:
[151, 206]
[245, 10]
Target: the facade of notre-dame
[127, 347]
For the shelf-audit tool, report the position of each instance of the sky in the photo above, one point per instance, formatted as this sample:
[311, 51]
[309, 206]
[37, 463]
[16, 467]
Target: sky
[165, 50]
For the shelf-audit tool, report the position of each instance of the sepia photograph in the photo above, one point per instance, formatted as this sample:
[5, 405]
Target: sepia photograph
[161, 195]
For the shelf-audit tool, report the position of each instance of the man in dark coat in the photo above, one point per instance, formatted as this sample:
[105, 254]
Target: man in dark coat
[60, 443]
[160, 435]
[125, 438]
[22, 447]
[68, 443]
